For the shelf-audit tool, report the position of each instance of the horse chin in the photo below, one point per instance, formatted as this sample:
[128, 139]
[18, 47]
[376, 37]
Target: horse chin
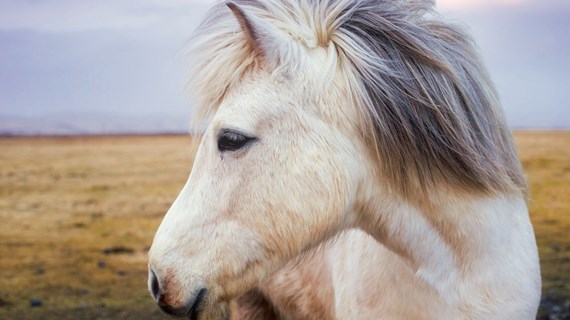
[215, 304]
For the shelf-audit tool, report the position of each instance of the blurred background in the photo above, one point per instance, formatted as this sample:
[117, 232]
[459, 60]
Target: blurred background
[72, 67]
[93, 144]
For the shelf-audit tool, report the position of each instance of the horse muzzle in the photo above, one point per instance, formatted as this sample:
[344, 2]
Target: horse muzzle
[169, 302]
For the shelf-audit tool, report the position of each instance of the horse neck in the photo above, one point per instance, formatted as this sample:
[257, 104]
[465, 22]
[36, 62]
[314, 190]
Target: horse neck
[452, 241]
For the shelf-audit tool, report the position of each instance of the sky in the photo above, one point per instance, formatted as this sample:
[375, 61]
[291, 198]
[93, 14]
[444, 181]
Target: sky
[128, 57]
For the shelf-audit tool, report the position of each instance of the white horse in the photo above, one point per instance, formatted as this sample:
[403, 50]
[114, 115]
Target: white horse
[326, 115]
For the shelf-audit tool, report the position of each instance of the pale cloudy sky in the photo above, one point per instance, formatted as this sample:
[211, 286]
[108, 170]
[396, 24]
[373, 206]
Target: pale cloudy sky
[127, 56]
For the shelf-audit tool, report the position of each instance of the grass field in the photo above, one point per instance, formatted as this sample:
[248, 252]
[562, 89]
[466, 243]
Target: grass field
[78, 215]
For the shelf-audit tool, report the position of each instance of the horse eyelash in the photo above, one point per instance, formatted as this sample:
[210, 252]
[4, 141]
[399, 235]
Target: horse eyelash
[238, 140]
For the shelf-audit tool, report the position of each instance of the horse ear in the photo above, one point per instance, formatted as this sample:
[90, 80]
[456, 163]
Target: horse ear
[262, 38]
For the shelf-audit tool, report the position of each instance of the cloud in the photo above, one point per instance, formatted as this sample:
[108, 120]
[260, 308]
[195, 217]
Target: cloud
[110, 56]
[61, 16]
[127, 56]
[526, 50]
[469, 4]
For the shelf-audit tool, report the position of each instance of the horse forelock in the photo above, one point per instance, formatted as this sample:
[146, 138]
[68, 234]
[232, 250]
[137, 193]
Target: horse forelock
[425, 99]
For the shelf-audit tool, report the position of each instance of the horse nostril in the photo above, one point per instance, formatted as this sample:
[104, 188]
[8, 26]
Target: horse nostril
[154, 285]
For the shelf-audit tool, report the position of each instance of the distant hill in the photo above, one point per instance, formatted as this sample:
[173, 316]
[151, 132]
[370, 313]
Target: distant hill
[92, 124]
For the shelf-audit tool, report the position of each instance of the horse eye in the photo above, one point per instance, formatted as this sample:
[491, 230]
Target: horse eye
[229, 140]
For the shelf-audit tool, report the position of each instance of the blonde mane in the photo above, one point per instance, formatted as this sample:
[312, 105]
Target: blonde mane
[430, 111]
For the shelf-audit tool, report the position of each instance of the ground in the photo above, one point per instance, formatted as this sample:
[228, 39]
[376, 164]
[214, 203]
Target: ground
[78, 215]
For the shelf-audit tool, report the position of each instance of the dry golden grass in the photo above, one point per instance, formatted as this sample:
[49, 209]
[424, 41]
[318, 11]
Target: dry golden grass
[63, 201]
[546, 160]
